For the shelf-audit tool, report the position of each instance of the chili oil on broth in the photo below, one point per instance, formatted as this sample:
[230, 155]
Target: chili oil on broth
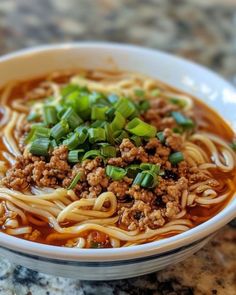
[209, 120]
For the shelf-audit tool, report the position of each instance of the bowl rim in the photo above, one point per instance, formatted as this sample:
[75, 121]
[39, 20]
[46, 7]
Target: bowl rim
[115, 254]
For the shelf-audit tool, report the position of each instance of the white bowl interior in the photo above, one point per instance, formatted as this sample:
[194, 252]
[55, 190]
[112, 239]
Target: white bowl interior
[175, 71]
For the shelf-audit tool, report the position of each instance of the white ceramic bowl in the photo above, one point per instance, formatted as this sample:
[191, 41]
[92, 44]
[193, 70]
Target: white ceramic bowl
[104, 264]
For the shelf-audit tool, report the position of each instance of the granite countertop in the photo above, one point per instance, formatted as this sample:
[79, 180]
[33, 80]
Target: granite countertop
[204, 31]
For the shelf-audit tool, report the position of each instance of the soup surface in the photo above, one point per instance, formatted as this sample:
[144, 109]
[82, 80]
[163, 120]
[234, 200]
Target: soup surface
[97, 159]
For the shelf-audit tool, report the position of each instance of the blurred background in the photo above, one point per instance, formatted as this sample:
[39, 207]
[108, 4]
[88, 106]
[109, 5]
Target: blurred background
[201, 30]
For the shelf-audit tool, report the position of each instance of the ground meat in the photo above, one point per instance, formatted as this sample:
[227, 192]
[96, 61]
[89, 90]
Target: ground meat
[159, 115]
[138, 193]
[140, 216]
[173, 140]
[120, 188]
[117, 162]
[89, 165]
[197, 175]
[128, 150]
[172, 209]
[35, 170]
[175, 191]
[97, 177]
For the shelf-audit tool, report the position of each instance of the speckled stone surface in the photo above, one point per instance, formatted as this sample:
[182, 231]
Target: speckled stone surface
[201, 30]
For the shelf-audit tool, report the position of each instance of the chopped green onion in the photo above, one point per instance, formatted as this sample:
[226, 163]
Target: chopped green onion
[33, 116]
[98, 123]
[110, 113]
[60, 129]
[178, 130]
[30, 136]
[113, 98]
[161, 137]
[136, 139]
[108, 151]
[37, 131]
[91, 154]
[69, 89]
[139, 92]
[50, 115]
[155, 92]
[74, 181]
[75, 155]
[176, 158]
[133, 170]
[125, 107]
[178, 101]
[72, 118]
[143, 106]
[182, 120]
[99, 112]
[233, 145]
[145, 179]
[120, 135]
[40, 132]
[152, 167]
[96, 98]
[83, 107]
[72, 142]
[140, 128]
[60, 110]
[53, 144]
[39, 147]
[118, 122]
[96, 135]
[83, 134]
[109, 135]
[116, 173]
[138, 179]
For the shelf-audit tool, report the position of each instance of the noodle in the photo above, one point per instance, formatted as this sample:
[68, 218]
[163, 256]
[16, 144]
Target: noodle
[59, 215]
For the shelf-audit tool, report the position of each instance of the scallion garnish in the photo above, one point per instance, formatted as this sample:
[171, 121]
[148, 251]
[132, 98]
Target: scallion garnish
[72, 118]
[133, 170]
[96, 135]
[108, 151]
[75, 155]
[33, 117]
[176, 158]
[113, 98]
[139, 92]
[91, 154]
[119, 135]
[140, 128]
[110, 113]
[144, 105]
[39, 147]
[60, 129]
[146, 179]
[118, 122]
[99, 112]
[40, 132]
[116, 173]
[72, 142]
[182, 120]
[161, 137]
[136, 140]
[50, 115]
[74, 181]
[150, 167]
[125, 107]
[82, 134]
[233, 145]
[109, 134]
[178, 101]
